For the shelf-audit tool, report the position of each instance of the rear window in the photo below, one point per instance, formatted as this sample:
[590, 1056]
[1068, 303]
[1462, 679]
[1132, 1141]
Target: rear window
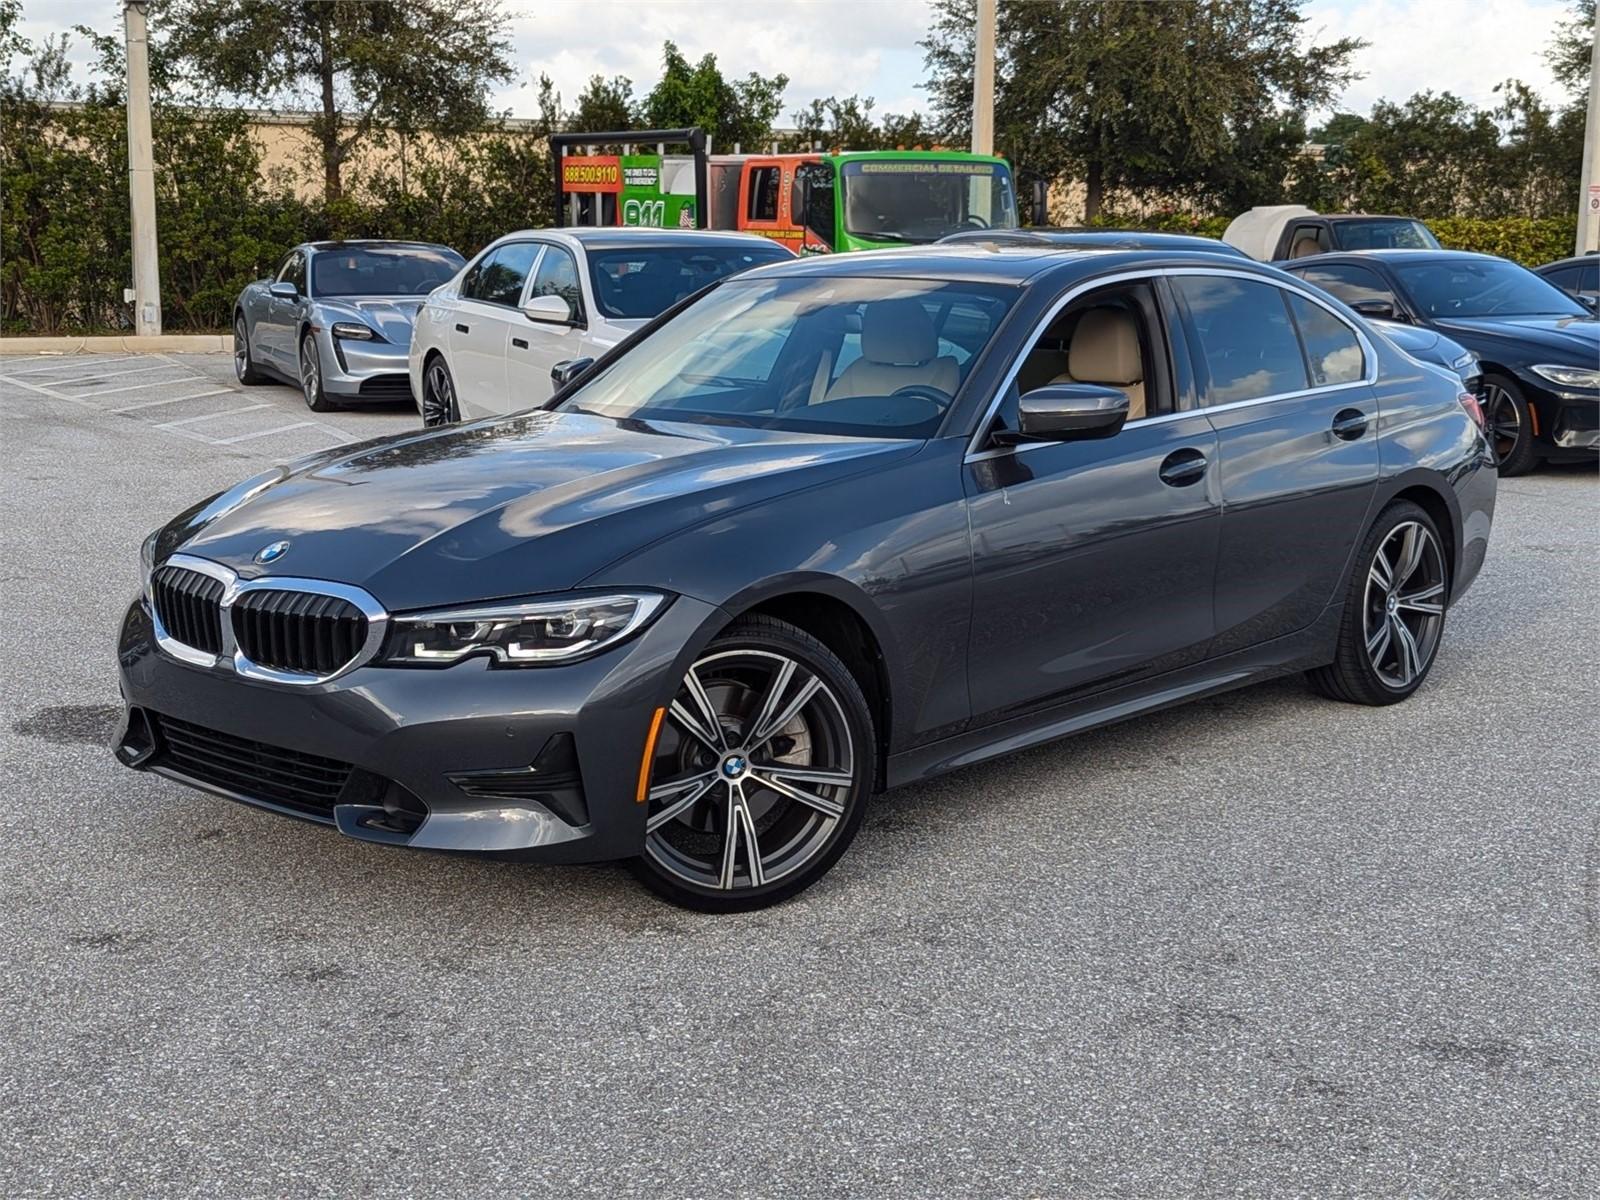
[645, 282]
[1386, 235]
[380, 272]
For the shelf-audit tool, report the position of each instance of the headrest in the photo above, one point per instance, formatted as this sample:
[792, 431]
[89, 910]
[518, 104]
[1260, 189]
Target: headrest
[1105, 348]
[898, 333]
[1304, 247]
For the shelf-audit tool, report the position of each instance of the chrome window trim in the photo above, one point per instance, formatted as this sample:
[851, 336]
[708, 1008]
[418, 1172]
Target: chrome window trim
[233, 587]
[1368, 352]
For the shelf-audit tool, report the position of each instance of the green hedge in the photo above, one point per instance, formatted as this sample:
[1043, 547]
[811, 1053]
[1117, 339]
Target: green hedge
[1531, 241]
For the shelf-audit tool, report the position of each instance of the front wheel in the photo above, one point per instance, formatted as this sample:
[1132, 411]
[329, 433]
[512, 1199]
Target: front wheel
[244, 367]
[1508, 425]
[311, 376]
[1393, 611]
[761, 771]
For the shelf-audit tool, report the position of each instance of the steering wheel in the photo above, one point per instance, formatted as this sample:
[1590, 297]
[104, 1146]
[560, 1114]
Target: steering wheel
[924, 391]
[974, 221]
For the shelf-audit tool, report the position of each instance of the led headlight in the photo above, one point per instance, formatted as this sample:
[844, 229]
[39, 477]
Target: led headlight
[1578, 377]
[520, 634]
[353, 331]
[147, 560]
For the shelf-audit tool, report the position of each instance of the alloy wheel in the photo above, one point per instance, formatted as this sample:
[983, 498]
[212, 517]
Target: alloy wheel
[1404, 604]
[438, 395]
[310, 371]
[1502, 420]
[752, 775]
[241, 350]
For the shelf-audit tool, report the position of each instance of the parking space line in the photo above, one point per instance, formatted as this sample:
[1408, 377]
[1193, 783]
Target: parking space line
[165, 366]
[210, 416]
[128, 408]
[73, 366]
[134, 387]
[245, 437]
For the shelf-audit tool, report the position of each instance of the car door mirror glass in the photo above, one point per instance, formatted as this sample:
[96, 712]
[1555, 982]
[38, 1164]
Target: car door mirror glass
[548, 310]
[1067, 412]
[565, 371]
[284, 290]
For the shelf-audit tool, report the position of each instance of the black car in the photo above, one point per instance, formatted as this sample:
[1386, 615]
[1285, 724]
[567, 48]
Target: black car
[1538, 349]
[826, 528]
[1090, 238]
[1578, 277]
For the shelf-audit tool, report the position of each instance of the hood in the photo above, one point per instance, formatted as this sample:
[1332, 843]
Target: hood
[1573, 341]
[511, 507]
[394, 317]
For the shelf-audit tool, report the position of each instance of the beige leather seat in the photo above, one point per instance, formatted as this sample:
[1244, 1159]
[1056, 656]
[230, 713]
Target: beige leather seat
[1304, 247]
[1105, 350]
[899, 347]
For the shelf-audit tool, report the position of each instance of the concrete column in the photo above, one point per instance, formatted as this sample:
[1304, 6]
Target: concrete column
[1589, 180]
[141, 176]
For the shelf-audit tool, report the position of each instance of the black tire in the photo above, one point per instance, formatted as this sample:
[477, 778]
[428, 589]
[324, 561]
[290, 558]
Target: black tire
[244, 363]
[311, 376]
[1510, 429]
[694, 834]
[439, 405]
[1374, 663]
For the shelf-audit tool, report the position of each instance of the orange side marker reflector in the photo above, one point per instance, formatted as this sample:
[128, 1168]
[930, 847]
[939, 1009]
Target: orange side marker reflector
[1533, 419]
[649, 753]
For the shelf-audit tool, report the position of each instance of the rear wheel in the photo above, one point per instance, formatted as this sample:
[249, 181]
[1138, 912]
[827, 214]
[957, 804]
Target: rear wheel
[1393, 612]
[311, 376]
[244, 366]
[1510, 430]
[439, 405]
[761, 771]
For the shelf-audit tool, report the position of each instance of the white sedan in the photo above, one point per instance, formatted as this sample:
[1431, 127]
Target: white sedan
[487, 341]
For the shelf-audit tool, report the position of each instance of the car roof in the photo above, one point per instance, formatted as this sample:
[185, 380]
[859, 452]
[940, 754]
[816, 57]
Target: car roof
[1572, 260]
[377, 244]
[1128, 239]
[615, 237]
[1391, 255]
[991, 263]
[1366, 217]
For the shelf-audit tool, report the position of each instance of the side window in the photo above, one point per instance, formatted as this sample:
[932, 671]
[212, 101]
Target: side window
[499, 275]
[1566, 278]
[1350, 283]
[558, 276]
[1245, 336]
[1589, 276]
[1332, 351]
[763, 201]
[1308, 240]
[294, 270]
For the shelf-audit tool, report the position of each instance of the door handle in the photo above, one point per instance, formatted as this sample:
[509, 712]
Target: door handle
[1183, 467]
[520, 343]
[1349, 424]
[462, 329]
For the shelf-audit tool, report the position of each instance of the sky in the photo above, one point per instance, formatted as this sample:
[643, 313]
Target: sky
[869, 47]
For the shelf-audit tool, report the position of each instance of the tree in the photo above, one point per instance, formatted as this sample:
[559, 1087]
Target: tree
[848, 125]
[420, 64]
[1185, 96]
[737, 113]
[1569, 53]
[605, 104]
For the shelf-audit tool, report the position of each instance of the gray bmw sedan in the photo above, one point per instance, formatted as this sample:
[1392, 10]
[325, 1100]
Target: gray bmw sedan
[828, 527]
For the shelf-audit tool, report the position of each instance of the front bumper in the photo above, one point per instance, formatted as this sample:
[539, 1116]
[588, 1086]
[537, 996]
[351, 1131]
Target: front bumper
[1568, 421]
[357, 370]
[439, 759]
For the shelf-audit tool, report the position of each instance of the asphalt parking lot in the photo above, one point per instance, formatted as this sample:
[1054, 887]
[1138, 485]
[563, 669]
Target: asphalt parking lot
[1264, 945]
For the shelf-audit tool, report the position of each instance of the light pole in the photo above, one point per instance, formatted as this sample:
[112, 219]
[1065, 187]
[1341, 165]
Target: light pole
[983, 81]
[1589, 181]
[141, 175]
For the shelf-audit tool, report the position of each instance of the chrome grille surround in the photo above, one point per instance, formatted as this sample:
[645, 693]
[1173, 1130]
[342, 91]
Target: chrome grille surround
[232, 657]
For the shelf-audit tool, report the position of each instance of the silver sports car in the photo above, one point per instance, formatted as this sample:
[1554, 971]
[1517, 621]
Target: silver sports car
[336, 319]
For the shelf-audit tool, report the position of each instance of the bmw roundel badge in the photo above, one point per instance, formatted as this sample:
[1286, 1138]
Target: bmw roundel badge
[272, 553]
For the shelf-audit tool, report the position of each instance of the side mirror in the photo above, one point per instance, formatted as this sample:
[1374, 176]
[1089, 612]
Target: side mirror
[568, 369]
[1378, 310]
[548, 310]
[284, 290]
[1068, 412]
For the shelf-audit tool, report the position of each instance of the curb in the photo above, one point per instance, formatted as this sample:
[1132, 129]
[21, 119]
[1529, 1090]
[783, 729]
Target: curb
[180, 343]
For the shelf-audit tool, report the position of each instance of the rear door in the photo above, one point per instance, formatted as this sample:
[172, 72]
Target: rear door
[1286, 384]
[482, 324]
[536, 346]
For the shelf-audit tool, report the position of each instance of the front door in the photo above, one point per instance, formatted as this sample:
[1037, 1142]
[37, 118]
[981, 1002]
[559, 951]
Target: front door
[1093, 560]
[534, 347]
[482, 324]
[275, 334]
[1286, 384]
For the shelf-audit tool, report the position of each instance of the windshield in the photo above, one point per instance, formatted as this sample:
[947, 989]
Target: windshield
[907, 200]
[647, 280]
[1483, 288]
[1386, 235]
[412, 271]
[857, 357]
